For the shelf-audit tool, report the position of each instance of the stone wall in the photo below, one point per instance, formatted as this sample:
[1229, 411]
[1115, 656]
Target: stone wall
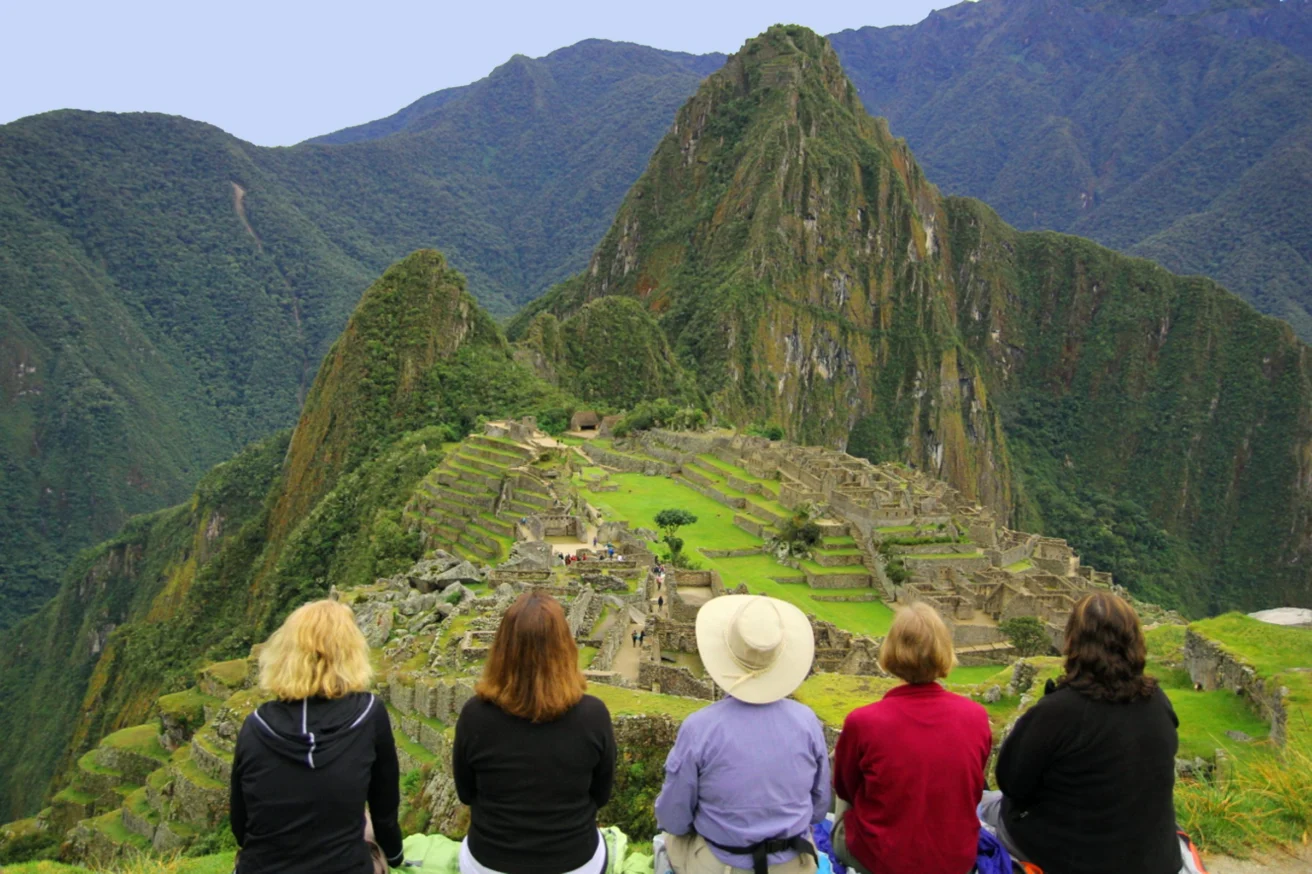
[838, 581]
[615, 638]
[1213, 667]
[627, 463]
[976, 635]
[674, 680]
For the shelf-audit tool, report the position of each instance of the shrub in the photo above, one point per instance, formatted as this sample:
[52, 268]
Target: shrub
[1028, 635]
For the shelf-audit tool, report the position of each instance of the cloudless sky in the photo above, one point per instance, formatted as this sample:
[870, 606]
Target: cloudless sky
[276, 72]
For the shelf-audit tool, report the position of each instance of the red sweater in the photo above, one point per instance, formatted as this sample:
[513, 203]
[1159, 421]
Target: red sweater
[912, 767]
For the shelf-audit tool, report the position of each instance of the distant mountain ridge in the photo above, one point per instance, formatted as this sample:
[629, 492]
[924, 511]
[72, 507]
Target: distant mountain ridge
[169, 290]
[149, 326]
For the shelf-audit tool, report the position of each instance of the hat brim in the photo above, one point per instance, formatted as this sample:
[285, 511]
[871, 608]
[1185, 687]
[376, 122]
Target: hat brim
[782, 678]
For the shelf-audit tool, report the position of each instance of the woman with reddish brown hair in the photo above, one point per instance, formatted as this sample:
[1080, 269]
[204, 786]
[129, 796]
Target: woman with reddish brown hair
[534, 757]
[1087, 775]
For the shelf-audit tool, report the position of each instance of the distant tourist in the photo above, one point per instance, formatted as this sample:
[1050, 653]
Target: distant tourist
[610, 550]
[306, 764]
[642, 637]
[635, 637]
[660, 602]
[534, 757]
[1087, 775]
[910, 767]
[748, 775]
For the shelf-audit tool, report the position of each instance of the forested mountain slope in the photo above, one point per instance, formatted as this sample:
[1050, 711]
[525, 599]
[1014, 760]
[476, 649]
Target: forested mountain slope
[1174, 129]
[169, 290]
[807, 273]
[276, 526]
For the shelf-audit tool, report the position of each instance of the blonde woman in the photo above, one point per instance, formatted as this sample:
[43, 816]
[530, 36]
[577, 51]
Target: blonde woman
[534, 757]
[307, 762]
[912, 764]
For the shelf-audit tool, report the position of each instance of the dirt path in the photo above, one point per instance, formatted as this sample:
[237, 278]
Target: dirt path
[239, 204]
[626, 660]
[1300, 863]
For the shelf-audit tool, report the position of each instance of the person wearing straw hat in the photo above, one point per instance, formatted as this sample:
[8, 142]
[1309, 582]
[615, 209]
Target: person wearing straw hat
[749, 774]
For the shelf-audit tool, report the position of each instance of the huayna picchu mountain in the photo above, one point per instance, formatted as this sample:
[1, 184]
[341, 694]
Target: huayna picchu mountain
[808, 274]
[783, 260]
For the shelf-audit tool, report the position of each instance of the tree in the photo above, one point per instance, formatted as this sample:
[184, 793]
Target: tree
[800, 533]
[1027, 634]
[670, 521]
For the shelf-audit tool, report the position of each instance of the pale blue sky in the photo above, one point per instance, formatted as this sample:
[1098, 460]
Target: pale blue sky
[276, 72]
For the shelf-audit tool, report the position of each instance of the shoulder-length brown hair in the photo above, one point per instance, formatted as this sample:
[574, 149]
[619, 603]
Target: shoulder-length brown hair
[1105, 650]
[533, 668]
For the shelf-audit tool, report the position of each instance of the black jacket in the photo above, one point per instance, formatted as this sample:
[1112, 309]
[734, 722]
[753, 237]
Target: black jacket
[301, 775]
[533, 788]
[1087, 785]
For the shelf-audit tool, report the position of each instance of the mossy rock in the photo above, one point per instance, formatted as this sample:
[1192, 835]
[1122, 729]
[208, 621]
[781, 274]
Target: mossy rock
[222, 679]
[181, 713]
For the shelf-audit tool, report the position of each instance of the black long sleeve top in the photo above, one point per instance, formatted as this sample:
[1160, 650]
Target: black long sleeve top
[533, 788]
[1087, 785]
[301, 776]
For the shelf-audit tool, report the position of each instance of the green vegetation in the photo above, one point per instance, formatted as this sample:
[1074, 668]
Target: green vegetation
[1213, 201]
[162, 327]
[639, 498]
[670, 520]
[1027, 634]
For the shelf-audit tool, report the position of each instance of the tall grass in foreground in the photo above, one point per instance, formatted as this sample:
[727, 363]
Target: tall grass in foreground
[1266, 802]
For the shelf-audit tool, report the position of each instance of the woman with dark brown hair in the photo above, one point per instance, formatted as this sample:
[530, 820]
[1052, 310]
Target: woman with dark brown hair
[1087, 775]
[534, 757]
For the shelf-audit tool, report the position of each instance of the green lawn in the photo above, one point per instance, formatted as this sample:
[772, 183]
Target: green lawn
[970, 675]
[640, 498]
[1205, 717]
[1272, 651]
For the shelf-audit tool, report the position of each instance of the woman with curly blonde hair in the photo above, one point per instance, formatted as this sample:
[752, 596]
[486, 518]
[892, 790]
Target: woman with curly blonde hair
[307, 762]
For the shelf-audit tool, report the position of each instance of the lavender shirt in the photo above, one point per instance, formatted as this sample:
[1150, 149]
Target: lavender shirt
[744, 773]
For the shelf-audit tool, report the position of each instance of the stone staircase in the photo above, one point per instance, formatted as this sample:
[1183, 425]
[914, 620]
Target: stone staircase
[468, 505]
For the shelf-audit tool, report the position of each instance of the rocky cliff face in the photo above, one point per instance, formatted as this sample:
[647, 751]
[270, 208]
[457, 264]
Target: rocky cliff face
[794, 253]
[806, 272]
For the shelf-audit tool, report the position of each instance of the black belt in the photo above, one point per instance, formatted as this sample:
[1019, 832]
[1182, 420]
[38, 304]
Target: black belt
[758, 852]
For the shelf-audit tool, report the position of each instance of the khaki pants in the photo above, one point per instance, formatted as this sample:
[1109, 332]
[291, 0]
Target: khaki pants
[838, 839]
[690, 854]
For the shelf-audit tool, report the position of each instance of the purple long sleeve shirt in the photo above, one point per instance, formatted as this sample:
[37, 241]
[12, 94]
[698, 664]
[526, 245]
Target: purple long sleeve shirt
[742, 773]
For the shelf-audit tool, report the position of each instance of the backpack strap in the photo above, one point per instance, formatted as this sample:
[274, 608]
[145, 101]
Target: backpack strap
[760, 851]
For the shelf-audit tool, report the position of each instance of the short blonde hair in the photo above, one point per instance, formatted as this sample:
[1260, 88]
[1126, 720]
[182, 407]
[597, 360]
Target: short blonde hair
[918, 648]
[317, 653]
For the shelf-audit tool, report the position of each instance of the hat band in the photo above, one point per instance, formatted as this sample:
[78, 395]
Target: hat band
[749, 672]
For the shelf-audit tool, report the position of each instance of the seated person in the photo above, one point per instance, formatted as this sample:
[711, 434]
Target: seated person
[748, 775]
[912, 764]
[1087, 775]
[534, 757]
[307, 762]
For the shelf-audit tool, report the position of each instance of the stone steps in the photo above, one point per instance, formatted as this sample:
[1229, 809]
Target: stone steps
[494, 445]
[533, 500]
[198, 799]
[517, 508]
[495, 525]
[211, 761]
[474, 477]
[482, 466]
[480, 497]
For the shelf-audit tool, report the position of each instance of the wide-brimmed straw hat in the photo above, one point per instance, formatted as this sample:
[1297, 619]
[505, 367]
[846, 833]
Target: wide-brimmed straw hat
[756, 649]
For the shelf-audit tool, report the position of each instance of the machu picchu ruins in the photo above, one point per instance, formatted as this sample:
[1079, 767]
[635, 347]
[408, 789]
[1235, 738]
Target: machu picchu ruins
[511, 509]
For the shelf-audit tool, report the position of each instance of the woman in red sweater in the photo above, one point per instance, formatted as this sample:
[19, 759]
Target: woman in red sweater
[911, 766]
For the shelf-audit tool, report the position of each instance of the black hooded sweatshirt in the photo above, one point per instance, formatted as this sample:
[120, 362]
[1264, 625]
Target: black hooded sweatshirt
[301, 775]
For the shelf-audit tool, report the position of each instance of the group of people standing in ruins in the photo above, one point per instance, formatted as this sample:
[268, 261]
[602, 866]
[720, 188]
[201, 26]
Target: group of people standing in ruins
[1084, 779]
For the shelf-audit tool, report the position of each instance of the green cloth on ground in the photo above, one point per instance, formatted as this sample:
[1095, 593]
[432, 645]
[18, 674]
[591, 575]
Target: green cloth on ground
[438, 854]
